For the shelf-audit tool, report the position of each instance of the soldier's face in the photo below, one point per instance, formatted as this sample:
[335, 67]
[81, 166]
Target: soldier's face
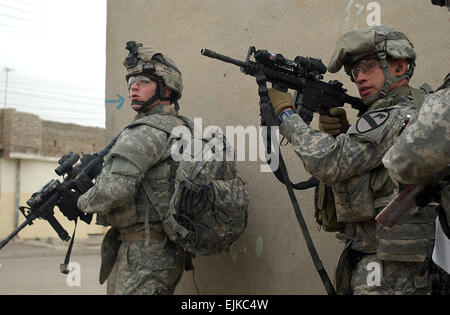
[141, 89]
[371, 77]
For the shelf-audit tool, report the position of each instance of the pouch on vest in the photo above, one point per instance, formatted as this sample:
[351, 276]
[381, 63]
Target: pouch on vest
[347, 261]
[407, 240]
[325, 209]
[354, 201]
[110, 247]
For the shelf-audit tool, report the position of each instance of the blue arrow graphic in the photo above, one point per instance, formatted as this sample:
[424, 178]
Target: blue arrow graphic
[120, 101]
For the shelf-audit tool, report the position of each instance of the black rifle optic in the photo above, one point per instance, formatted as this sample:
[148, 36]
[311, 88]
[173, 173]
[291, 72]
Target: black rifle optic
[77, 179]
[303, 74]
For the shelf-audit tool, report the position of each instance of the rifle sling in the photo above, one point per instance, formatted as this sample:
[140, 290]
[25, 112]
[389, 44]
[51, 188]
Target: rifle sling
[269, 119]
[63, 266]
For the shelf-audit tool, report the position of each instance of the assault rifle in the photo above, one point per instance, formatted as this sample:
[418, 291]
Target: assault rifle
[77, 180]
[303, 74]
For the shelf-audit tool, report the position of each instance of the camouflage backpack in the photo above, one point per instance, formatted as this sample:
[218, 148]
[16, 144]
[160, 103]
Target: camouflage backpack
[208, 209]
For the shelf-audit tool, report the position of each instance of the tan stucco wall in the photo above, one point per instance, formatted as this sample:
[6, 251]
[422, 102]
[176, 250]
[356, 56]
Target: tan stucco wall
[271, 258]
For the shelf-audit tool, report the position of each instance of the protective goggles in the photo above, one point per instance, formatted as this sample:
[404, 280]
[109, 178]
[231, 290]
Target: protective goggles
[366, 66]
[139, 80]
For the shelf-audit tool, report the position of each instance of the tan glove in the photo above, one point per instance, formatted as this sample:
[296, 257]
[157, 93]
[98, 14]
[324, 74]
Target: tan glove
[334, 123]
[280, 100]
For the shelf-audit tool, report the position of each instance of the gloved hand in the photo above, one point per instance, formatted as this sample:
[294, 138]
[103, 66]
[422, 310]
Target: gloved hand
[334, 123]
[68, 205]
[280, 100]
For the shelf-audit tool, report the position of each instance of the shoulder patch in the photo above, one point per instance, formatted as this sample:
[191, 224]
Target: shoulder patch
[371, 121]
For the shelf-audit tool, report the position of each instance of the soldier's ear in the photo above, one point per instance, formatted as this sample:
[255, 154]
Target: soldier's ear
[167, 91]
[401, 66]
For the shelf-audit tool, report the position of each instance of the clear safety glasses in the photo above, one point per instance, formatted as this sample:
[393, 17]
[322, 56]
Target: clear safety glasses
[139, 80]
[366, 66]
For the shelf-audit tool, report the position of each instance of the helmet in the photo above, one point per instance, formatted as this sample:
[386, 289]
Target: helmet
[147, 60]
[380, 40]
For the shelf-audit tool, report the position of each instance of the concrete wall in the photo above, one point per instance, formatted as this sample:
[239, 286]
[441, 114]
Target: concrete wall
[271, 258]
[27, 133]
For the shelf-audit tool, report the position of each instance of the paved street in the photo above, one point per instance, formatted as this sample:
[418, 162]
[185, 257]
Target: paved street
[32, 267]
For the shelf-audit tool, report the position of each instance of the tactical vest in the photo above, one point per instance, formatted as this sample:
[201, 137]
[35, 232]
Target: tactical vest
[160, 177]
[360, 198]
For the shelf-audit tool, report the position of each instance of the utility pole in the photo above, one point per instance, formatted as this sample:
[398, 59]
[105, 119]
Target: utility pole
[7, 70]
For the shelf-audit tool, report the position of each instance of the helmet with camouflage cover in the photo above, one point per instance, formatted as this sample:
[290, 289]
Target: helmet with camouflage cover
[383, 41]
[147, 60]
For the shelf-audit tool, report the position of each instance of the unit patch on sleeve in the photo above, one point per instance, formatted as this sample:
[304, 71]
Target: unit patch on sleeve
[371, 121]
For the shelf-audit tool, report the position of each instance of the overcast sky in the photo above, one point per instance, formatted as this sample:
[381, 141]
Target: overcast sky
[56, 50]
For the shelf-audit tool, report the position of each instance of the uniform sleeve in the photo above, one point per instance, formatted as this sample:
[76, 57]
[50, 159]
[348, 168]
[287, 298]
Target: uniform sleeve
[332, 159]
[134, 153]
[423, 148]
[110, 190]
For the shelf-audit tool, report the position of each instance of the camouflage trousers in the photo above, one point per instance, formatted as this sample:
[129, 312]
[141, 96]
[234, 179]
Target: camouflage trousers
[372, 276]
[146, 270]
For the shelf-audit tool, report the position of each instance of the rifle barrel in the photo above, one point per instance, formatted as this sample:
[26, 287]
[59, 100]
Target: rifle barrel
[14, 233]
[213, 54]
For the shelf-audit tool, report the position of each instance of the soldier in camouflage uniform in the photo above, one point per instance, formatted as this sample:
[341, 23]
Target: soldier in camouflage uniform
[423, 150]
[376, 260]
[144, 260]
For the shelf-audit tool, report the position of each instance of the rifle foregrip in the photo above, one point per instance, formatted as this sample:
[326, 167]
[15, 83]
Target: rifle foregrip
[58, 228]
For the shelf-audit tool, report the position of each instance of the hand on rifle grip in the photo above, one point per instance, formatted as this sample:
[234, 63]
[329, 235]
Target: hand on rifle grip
[68, 205]
[335, 122]
[280, 100]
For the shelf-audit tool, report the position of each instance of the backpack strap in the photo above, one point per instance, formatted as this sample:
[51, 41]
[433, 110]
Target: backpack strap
[164, 123]
[170, 220]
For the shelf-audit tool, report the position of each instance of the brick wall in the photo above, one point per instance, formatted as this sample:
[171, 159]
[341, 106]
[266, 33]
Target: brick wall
[27, 133]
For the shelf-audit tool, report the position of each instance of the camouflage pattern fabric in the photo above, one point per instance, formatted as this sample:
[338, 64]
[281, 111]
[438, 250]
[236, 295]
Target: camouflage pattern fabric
[356, 44]
[148, 270]
[119, 180]
[342, 159]
[423, 148]
[164, 67]
[140, 269]
[336, 159]
[372, 276]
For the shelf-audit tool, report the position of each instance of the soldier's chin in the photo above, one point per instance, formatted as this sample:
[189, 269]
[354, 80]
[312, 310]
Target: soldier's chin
[135, 106]
[370, 99]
